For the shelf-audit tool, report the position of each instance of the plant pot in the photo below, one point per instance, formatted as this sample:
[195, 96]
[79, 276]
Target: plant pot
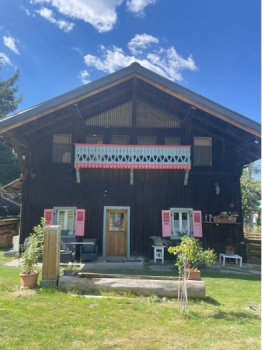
[194, 275]
[70, 273]
[225, 220]
[229, 252]
[29, 280]
[158, 244]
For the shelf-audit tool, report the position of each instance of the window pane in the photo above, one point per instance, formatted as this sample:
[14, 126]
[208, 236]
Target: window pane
[62, 139]
[61, 219]
[116, 222]
[172, 141]
[70, 221]
[94, 139]
[176, 222]
[184, 221]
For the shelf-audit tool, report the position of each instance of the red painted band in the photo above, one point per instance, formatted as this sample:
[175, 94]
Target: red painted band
[133, 166]
[102, 145]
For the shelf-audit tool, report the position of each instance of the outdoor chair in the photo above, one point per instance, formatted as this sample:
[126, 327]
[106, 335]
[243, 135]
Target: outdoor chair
[69, 250]
[89, 251]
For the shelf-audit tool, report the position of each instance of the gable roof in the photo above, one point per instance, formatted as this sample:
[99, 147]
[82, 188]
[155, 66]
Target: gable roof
[134, 70]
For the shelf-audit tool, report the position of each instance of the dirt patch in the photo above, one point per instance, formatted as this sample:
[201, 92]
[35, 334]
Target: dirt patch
[93, 304]
[24, 293]
[255, 309]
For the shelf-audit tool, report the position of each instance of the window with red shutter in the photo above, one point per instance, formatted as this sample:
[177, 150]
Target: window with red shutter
[197, 223]
[80, 222]
[166, 223]
[48, 215]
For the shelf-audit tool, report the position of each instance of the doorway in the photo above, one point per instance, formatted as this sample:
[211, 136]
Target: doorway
[116, 237]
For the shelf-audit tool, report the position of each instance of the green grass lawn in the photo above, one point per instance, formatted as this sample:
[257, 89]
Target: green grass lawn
[52, 319]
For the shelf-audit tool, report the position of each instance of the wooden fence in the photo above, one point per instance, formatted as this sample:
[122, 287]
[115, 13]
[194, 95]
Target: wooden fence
[253, 242]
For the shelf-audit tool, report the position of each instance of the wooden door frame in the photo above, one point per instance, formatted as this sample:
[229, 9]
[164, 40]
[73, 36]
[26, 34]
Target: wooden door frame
[128, 230]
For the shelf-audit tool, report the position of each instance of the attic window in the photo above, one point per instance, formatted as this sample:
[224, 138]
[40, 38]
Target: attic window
[61, 148]
[120, 140]
[94, 139]
[202, 151]
[170, 141]
[146, 140]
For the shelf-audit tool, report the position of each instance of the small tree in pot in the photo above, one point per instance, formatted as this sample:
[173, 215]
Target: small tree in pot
[30, 256]
[189, 256]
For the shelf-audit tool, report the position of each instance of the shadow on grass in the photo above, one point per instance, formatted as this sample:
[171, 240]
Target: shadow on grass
[211, 301]
[242, 317]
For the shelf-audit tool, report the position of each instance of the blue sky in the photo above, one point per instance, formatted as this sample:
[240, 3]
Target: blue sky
[210, 47]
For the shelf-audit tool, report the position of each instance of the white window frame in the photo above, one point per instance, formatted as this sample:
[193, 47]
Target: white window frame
[189, 221]
[56, 219]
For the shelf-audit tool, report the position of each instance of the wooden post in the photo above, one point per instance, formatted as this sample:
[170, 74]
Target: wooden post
[134, 94]
[51, 256]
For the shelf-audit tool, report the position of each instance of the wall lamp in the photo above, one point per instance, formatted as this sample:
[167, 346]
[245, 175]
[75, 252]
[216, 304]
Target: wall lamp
[217, 189]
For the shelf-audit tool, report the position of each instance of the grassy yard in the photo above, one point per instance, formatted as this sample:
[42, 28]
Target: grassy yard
[52, 319]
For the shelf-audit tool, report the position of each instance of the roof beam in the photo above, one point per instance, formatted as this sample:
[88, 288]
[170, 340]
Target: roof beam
[244, 143]
[53, 130]
[190, 113]
[242, 162]
[78, 113]
[20, 157]
[161, 110]
[134, 99]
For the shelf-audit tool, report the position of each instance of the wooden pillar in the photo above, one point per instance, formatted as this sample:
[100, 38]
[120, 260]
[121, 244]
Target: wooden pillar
[134, 97]
[51, 256]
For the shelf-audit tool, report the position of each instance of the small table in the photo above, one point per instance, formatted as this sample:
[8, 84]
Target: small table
[159, 252]
[235, 256]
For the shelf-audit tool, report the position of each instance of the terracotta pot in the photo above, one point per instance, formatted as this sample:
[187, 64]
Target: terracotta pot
[229, 252]
[158, 244]
[193, 275]
[225, 220]
[29, 280]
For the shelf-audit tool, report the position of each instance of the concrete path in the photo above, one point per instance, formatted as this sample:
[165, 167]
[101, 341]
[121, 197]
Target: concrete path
[161, 268]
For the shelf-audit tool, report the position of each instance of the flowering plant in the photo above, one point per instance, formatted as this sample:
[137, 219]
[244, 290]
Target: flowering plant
[229, 247]
[228, 215]
[191, 269]
[71, 266]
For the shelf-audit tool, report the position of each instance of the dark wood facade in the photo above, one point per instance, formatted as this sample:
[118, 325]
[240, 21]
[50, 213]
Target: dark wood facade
[47, 184]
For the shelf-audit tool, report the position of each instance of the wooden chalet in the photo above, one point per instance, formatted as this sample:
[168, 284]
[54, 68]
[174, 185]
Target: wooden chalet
[129, 156]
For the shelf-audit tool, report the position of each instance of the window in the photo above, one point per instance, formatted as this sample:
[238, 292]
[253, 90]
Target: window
[146, 140]
[203, 151]
[172, 141]
[181, 222]
[65, 217]
[120, 140]
[94, 139]
[62, 149]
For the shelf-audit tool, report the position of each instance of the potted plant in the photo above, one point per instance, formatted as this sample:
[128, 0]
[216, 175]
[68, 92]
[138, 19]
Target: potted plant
[181, 233]
[189, 256]
[226, 217]
[192, 273]
[30, 256]
[160, 241]
[230, 250]
[71, 269]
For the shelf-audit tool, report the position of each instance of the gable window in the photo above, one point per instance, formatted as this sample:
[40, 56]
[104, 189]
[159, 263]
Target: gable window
[94, 139]
[65, 217]
[146, 140]
[172, 141]
[61, 148]
[202, 151]
[120, 140]
[181, 222]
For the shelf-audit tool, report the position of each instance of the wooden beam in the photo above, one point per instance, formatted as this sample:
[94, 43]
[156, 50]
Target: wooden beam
[78, 175]
[161, 110]
[212, 134]
[53, 130]
[187, 131]
[186, 176]
[78, 113]
[242, 162]
[134, 99]
[20, 157]
[20, 139]
[244, 143]
[188, 115]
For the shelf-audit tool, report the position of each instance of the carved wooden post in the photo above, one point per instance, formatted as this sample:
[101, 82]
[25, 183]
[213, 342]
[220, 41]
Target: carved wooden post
[51, 256]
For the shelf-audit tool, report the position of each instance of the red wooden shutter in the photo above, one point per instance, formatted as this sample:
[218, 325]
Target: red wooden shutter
[80, 222]
[197, 223]
[166, 223]
[48, 215]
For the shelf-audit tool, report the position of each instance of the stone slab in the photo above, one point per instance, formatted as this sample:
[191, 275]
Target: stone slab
[255, 272]
[247, 265]
[161, 268]
[10, 253]
[48, 283]
[234, 272]
[195, 289]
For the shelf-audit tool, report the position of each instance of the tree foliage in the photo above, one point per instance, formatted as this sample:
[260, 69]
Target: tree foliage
[8, 89]
[250, 189]
[9, 165]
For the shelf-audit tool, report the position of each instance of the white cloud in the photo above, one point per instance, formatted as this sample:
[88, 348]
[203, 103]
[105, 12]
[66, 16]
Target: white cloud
[83, 75]
[101, 14]
[48, 14]
[77, 50]
[27, 11]
[5, 59]
[166, 62]
[140, 42]
[9, 41]
[137, 6]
